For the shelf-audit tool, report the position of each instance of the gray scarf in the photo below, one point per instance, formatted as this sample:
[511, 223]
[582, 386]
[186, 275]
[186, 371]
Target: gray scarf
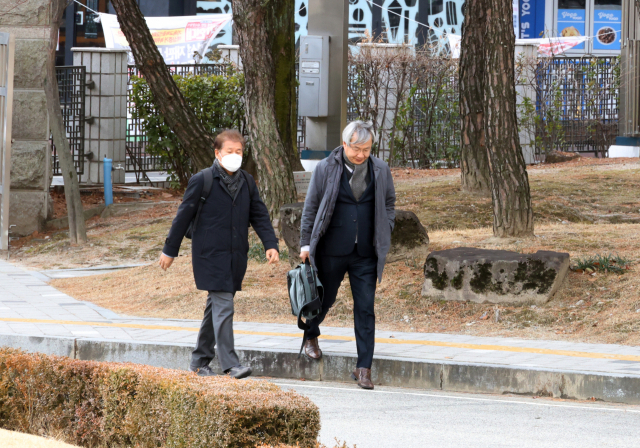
[358, 181]
[231, 181]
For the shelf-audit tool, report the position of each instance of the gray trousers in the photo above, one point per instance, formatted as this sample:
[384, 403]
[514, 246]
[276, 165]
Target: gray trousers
[216, 329]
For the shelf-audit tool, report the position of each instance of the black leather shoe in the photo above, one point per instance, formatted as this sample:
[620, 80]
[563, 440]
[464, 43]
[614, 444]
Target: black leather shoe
[203, 371]
[239, 372]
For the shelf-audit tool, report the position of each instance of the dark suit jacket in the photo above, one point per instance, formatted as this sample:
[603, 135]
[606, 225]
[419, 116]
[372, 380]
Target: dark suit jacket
[221, 240]
[351, 217]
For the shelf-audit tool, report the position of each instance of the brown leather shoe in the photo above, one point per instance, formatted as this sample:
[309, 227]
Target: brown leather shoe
[363, 377]
[312, 349]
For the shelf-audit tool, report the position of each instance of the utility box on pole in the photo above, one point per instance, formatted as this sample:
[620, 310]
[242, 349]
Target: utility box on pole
[328, 32]
[314, 76]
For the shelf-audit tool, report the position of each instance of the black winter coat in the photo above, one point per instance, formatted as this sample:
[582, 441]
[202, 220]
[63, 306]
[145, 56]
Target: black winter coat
[221, 241]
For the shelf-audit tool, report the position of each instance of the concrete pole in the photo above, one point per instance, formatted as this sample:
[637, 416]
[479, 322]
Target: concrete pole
[331, 18]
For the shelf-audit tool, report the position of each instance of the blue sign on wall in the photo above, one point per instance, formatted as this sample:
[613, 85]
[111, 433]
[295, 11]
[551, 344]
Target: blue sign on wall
[607, 24]
[531, 19]
[571, 23]
[528, 19]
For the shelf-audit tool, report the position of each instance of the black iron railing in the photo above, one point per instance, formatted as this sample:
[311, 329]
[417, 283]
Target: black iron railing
[138, 160]
[577, 102]
[72, 88]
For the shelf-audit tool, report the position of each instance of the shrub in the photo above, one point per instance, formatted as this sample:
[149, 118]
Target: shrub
[602, 263]
[216, 101]
[97, 404]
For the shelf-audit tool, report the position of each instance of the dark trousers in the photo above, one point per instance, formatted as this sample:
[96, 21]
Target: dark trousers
[362, 276]
[216, 330]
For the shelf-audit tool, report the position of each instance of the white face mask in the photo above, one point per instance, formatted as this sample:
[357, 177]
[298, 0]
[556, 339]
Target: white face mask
[231, 162]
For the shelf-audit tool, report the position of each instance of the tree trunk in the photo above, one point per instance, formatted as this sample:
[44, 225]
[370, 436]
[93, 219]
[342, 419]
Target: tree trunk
[194, 138]
[256, 23]
[512, 212]
[283, 51]
[473, 156]
[77, 228]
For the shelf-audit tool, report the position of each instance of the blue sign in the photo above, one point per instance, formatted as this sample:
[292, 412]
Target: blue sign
[571, 23]
[528, 28]
[607, 24]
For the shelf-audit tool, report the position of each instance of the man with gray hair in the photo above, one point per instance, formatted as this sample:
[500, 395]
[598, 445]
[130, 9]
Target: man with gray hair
[346, 227]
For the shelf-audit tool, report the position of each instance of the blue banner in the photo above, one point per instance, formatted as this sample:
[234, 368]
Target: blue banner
[571, 23]
[528, 28]
[607, 24]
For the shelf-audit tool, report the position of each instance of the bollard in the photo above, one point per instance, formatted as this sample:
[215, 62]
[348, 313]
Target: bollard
[108, 189]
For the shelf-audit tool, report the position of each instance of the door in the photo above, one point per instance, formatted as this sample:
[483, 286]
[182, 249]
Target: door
[7, 48]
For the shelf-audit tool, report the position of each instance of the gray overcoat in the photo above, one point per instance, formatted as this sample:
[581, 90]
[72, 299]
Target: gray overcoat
[321, 201]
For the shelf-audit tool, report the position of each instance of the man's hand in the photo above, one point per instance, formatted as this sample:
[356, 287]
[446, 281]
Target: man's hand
[304, 255]
[165, 262]
[273, 256]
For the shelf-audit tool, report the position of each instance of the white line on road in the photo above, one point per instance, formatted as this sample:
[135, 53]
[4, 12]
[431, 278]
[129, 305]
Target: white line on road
[571, 406]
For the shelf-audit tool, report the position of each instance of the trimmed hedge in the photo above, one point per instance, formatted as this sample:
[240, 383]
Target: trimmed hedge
[97, 404]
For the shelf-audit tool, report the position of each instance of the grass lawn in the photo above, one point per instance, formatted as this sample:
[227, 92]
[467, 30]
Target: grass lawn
[585, 208]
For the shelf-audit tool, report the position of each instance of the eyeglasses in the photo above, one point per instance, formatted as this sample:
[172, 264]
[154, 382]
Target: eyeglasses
[364, 152]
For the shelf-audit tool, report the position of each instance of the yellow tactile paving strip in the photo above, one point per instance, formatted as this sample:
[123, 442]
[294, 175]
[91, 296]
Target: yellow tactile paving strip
[503, 348]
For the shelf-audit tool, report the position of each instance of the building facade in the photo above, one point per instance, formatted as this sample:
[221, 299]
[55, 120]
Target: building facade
[393, 21]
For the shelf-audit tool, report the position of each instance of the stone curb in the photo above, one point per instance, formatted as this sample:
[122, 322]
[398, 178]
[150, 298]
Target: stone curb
[397, 372]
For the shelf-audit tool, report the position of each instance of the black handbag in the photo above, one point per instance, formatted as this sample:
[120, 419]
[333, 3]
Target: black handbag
[305, 293]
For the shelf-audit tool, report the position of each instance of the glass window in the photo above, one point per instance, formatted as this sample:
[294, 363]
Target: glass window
[572, 19]
[601, 20]
[607, 24]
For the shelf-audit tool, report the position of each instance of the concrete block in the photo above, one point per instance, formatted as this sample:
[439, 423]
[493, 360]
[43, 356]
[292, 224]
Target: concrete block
[24, 12]
[117, 111]
[107, 85]
[108, 63]
[494, 276]
[107, 107]
[95, 67]
[617, 151]
[30, 117]
[124, 78]
[57, 346]
[170, 356]
[92, 131]
[30, 64]
[106, 149]
[119, 151]
[106, 128]
[29, 165]
[27, 211]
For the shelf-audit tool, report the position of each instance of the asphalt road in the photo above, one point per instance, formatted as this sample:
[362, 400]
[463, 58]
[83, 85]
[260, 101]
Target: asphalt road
[391, 417]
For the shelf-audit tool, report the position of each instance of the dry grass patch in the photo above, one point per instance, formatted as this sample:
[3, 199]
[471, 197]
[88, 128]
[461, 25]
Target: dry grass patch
[607, 312]
[12, 439]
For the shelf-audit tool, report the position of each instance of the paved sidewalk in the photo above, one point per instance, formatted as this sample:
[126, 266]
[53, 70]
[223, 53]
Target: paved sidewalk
[36, 316]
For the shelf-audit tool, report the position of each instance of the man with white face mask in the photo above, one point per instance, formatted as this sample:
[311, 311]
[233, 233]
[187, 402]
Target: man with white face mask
[220, 245]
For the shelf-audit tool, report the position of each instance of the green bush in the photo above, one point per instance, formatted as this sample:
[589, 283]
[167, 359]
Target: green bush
[217, 102]
[96, 404]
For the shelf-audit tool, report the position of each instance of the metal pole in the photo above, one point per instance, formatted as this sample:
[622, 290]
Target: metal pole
[108, 189]
[331, 18]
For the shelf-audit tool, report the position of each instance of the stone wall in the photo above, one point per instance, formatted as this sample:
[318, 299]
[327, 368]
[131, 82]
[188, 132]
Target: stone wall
[107, 104]
[30, 203]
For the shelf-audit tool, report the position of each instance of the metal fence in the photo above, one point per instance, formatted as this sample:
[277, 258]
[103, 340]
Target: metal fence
[138, 161]
[579, 95]
[577, 101]
[71, 88]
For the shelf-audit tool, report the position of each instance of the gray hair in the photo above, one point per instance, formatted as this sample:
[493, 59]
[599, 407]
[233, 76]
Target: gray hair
[363, 129]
